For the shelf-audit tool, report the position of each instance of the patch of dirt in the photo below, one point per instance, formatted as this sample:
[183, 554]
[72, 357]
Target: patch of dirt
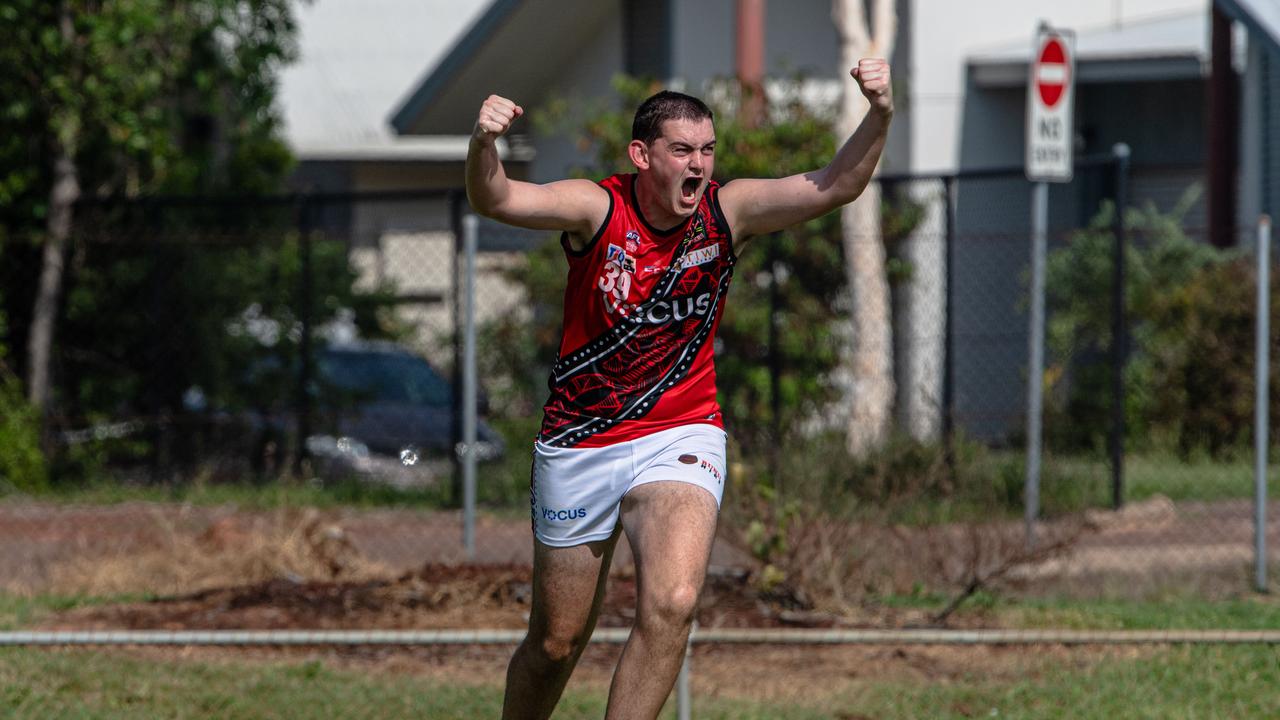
[228, 568]
[433, 597]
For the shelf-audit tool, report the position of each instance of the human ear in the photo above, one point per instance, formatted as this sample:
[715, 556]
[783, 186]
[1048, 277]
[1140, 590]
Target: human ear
[639, 154]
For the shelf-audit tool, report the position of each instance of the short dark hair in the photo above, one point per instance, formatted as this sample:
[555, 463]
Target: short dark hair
[664, 106]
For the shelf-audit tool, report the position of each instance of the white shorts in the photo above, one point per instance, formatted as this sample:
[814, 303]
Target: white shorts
[575, 493]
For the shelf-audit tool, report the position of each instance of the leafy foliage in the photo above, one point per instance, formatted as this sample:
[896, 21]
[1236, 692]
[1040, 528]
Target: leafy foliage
[174, 99]
[1189, 370]
[22, 464]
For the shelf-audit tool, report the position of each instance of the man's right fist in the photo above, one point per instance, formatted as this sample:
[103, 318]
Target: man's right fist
[496, 115]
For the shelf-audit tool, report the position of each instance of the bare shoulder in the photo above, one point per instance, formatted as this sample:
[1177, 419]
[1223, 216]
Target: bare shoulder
[586, 201]
[736, 198]
[585, 192]
[758, 206]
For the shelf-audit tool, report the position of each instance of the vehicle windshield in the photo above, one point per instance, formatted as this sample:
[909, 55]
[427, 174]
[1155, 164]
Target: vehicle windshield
[384, 377]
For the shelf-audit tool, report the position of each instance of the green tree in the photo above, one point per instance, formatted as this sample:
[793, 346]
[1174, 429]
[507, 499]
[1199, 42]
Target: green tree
[1189, 315]
[125, 98]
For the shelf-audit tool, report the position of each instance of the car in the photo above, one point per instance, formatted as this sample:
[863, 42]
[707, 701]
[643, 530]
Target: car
[378, 411]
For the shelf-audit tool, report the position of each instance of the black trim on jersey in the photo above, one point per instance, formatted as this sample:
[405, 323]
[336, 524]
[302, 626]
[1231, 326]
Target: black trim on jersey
[564, 236]
[718, 212]
[635, 203]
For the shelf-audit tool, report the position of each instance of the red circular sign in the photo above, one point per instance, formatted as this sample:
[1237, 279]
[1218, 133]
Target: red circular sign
[1052, 72]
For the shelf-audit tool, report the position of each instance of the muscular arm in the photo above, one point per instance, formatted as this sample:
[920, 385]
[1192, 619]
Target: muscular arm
[759, 206]
[577, 206]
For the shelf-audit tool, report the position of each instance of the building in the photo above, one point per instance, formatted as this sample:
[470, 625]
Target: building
[1145, 78]
[385, 194]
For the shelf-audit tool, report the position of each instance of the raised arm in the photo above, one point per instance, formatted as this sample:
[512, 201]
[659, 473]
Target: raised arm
[578, 206]
[760, 206]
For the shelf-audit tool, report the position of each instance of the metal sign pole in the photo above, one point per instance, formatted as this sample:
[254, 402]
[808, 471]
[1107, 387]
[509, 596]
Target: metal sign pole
[1262, 368]
[1049, 158]
[1035, 367]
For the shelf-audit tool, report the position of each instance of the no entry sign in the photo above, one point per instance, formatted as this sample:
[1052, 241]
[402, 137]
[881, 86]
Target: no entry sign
[1050, 95]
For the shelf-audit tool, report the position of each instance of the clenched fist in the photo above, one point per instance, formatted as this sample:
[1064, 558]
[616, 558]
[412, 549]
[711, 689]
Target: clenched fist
[873, 79]
[496, 115]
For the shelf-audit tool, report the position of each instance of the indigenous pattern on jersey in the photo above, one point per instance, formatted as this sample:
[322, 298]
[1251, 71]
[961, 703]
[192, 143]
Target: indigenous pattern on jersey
[640, 315]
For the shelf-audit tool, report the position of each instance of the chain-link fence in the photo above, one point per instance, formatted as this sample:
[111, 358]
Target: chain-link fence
[262, 388]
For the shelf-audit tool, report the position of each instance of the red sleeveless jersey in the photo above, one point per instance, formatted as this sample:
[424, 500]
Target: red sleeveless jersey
[641, 310]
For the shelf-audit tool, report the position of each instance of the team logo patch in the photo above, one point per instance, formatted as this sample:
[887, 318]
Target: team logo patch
[711, 470]
[700, 256]
[563, 515]
[624, 260]
[689, 459]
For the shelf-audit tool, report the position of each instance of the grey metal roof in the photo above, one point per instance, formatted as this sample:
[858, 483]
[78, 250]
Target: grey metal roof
[507, 50]
[1158, 48]
[1261, 16]
[358, 59]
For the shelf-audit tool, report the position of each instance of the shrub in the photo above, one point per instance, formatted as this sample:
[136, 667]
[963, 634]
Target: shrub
[1189, 372]
[22, 464]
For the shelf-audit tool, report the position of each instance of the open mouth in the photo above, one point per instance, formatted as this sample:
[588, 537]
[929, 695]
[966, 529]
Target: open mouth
[689, 188]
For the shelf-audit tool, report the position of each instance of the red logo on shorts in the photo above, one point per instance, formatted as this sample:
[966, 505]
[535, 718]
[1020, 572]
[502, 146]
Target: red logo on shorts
[689, 459]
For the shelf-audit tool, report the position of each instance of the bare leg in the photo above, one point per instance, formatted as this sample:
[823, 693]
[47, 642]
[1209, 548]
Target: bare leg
[568, 588]
[670, 526]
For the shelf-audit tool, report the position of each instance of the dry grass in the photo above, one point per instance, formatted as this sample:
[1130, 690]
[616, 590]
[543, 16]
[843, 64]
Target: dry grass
[291, 543]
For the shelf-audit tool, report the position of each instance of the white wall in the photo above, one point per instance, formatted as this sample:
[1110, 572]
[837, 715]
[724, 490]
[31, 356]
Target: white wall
[586, 81]
[945, 33]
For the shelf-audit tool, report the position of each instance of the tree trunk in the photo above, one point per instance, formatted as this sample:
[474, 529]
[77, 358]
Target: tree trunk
[870, 358]
[62, 196]
[920, 319]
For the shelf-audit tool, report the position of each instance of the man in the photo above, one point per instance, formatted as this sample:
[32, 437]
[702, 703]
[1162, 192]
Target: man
[632, 438]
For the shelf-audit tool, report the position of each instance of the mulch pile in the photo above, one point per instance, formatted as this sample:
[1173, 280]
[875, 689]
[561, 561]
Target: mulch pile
[433, 597]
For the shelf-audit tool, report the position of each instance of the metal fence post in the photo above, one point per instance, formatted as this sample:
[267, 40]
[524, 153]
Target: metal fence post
[1035, 370]
[775, 369]
[1261, 404]
[1119, 328]
[470, 233]
[684, 702]
[457, 204]
[305, 362]
[949, 338]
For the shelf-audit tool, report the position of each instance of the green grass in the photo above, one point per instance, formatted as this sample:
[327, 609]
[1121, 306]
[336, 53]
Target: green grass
[1161, 682]
[1176, 682]
[1164, 474]
[18, 612]
[91, 684]
[1071, 482]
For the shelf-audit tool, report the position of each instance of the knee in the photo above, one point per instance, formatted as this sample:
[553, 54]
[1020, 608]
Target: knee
[674, 606]
[555, 648]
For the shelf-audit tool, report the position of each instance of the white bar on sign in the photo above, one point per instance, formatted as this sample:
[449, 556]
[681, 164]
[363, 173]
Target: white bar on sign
[1055, 74]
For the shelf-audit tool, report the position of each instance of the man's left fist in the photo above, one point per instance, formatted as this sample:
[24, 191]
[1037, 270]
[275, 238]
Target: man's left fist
[873, 78]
